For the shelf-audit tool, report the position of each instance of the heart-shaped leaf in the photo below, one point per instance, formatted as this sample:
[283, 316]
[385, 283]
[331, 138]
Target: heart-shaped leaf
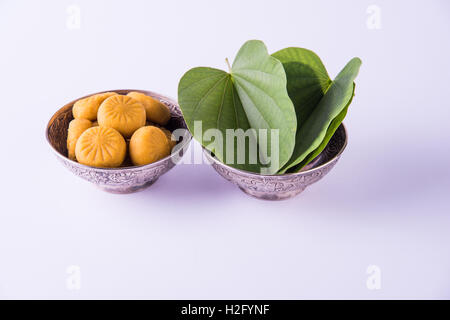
[261, 84]
[207, 95]
[313, 129]
[307, 79]
[253, 96]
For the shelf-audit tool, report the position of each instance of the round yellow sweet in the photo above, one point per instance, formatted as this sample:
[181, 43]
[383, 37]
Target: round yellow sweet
[147, 145]
[170, 137]
[122, 113]
[156, 111]
[76, 128]
[87, 108]
[101, 147]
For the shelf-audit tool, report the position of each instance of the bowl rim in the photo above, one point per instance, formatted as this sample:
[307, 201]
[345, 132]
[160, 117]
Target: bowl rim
[254, 174]
[187, 137]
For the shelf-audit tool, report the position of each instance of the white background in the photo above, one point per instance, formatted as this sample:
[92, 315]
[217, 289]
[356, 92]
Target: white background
[192, 234]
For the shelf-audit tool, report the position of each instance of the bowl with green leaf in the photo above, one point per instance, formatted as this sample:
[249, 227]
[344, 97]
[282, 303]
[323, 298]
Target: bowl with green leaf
[272, 124]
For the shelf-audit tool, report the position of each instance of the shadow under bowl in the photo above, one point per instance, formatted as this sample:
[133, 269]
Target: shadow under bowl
[127, 179]
[280, 187]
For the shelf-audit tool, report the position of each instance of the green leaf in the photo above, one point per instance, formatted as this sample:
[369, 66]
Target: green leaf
[208, 95]
[330, 132]
[307, 80]
[261, 84]
[314, 129]
[253, 96]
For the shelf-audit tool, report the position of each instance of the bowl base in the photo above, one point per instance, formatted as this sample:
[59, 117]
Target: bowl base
[272, 196]
[127, 190]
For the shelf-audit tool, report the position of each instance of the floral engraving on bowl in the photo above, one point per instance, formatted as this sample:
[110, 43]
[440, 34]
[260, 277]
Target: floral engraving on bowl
[119, 178]
[278, 187]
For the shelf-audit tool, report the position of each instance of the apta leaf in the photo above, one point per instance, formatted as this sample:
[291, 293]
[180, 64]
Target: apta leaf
[253, 96]
[208, 95]
[261, 83]
[330, 132]
[313, 129]
[307, 80]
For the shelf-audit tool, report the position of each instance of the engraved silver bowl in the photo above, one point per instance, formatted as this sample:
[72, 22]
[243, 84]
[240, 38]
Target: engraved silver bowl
[280, 187]
[123, 179]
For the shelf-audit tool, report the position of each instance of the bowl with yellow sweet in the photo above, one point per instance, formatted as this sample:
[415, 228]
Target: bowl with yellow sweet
[120, 140]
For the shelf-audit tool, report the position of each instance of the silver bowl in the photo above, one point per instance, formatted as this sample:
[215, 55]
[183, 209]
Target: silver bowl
[126, 179]
[280, 187]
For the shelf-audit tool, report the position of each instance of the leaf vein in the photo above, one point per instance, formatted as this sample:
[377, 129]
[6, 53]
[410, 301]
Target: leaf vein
[195, 109]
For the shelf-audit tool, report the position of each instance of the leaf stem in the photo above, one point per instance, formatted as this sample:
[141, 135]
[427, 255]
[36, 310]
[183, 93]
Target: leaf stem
[228, 64]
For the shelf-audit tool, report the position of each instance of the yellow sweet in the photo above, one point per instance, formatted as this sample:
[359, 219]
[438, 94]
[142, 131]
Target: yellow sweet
[122, 113]
[87, 108]
[147, 145]
[101, 147]
[156, 111]
[170, 137]
[76, 128]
